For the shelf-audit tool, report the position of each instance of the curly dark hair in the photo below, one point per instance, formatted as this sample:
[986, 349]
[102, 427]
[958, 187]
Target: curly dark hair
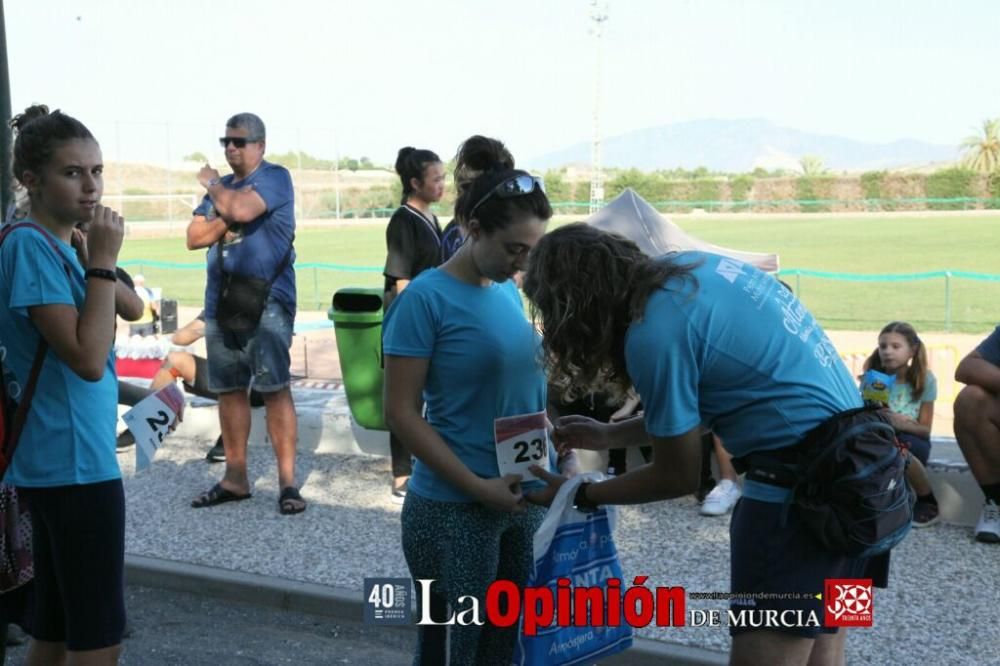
[585, 287]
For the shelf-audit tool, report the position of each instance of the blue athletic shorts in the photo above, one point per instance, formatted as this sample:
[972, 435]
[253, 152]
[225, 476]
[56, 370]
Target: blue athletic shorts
[775, 567]
[261, 358]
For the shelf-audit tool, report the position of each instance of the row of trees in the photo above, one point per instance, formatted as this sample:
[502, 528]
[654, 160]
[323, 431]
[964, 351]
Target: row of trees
[981, 154]
[303, 160]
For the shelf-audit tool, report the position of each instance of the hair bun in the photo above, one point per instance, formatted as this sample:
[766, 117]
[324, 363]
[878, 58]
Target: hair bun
[33, 112]
[402, 156]
[481, 153]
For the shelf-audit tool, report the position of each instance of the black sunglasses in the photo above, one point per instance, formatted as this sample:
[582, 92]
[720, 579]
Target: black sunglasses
[516, 186]
[238, 141]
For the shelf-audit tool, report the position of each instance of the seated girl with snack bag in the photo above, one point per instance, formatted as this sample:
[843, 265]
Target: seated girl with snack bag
[908, 388]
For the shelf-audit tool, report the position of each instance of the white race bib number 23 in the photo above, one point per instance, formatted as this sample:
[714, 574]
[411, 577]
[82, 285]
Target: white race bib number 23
[522, 441]
[150, 422]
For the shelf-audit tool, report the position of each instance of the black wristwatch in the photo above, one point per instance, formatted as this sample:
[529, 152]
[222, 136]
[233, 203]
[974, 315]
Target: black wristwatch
[580, 501]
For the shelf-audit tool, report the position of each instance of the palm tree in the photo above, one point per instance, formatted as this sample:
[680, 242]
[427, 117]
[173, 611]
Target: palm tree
[812, 165]
[982, 151]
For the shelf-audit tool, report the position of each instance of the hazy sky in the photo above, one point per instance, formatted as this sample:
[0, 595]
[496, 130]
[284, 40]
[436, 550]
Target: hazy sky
[157, 79]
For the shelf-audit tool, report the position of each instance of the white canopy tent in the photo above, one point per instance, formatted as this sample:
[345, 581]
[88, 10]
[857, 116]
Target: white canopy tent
[634, 218]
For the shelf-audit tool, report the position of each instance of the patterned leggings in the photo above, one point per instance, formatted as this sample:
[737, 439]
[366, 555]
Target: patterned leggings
[464, 547]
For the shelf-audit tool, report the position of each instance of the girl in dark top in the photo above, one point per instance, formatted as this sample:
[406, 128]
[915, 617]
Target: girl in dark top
[413, 244]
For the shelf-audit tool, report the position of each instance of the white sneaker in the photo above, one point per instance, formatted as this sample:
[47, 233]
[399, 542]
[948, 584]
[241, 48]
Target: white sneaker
[988, 527]
[722, 499]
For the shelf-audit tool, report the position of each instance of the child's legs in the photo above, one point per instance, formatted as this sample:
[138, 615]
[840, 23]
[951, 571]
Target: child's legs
[916, 471]
[725, 460]
[916, 475]
[707, 444]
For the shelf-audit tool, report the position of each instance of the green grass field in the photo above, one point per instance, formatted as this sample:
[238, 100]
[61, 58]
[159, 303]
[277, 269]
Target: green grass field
[872, 244]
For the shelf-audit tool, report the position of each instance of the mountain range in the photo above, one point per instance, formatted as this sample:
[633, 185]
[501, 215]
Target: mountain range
[743, 145]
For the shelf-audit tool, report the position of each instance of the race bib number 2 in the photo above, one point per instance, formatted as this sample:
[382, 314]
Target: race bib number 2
[150, 422]
[522, 441]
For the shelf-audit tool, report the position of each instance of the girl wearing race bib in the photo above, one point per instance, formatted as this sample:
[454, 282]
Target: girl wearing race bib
[457, 338]
[57, 292]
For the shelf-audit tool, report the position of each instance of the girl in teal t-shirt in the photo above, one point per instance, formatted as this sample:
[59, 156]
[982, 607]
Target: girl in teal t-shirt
[902, 353]
[457, 340]
[57, 294]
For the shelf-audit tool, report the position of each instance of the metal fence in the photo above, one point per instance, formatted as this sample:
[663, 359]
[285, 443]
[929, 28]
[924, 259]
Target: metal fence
[932, 301]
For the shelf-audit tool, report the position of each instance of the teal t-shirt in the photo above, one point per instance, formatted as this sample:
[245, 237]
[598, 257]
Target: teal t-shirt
[484, 364]
[901, 398]
[735, 351]
[69, 436]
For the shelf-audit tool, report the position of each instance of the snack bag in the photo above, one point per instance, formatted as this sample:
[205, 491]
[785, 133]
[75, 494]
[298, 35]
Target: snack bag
[876, 387]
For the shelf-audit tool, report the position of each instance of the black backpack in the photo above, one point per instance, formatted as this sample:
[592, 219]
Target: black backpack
[851, 490]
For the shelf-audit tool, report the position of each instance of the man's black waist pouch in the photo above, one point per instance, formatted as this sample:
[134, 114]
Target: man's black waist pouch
[242, 299]
[241, 303]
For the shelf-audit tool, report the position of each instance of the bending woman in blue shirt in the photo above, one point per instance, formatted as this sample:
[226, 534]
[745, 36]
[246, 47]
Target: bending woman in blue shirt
[706, 341]
[64, 297]
[458, 338]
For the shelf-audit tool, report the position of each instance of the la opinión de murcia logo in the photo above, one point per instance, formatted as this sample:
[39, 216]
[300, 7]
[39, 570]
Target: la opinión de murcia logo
[846, 603]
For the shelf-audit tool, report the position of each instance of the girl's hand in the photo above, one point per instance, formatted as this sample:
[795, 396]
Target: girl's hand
[104, 239]
[581, 432]
[502, 494]
[545, 496]
[899, 421]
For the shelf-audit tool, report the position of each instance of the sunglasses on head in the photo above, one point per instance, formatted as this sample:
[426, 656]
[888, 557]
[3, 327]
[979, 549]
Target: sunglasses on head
[238, 141]
[515, 186]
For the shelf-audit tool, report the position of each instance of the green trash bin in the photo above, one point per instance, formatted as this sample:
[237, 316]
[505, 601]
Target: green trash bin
[356, 313]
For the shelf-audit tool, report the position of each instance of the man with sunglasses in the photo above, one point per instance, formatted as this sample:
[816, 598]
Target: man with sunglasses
[247, 221]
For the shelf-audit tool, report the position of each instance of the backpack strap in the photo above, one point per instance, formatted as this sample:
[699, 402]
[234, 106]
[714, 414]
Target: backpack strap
[9, 228]
[24, 404]
[21, 415]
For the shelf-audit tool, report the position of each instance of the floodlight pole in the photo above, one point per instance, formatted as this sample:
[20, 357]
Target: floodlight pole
[598, 15]
[6, 178]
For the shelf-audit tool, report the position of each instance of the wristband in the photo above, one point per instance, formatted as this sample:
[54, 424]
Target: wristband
[214, 181]
[580, 501]
[101, 273]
